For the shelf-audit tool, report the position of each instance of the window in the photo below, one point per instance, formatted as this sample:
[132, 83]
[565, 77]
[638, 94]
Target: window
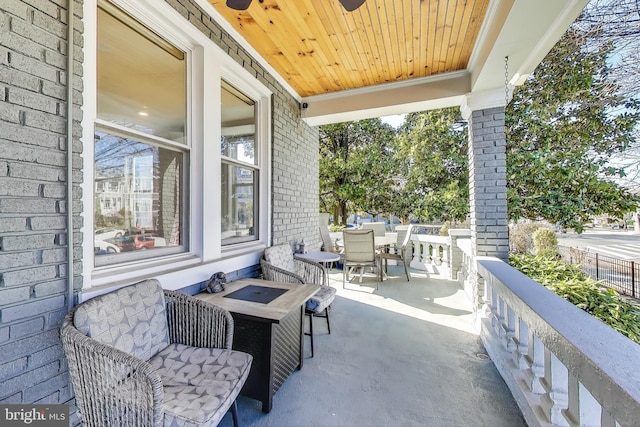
[141, 151]
[240, 167]
[181, 156]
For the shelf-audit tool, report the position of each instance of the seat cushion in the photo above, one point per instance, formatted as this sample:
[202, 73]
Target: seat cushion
[200, 384]
[280, 256]
[132, 319]
[321, 299]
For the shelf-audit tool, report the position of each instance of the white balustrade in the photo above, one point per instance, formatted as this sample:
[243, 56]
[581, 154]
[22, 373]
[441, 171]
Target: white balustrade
[430, 253]
[563, 366]
[461, 263]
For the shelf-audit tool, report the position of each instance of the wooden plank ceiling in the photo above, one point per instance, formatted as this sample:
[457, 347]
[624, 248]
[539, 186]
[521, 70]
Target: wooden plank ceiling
[318, 47]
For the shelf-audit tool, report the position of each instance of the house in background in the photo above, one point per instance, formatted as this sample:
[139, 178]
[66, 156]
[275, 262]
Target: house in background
[197, 124]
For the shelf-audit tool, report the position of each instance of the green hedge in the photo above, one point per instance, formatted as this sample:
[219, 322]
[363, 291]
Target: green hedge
[571, 284]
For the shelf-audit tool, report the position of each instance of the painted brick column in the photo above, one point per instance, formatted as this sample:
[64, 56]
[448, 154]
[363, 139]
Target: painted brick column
[484, 112]
[487, 174]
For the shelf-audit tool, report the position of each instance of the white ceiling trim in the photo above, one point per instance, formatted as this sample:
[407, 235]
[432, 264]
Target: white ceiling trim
[444, 90]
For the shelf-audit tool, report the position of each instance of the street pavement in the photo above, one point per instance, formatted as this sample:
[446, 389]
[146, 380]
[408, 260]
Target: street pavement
[620, 244]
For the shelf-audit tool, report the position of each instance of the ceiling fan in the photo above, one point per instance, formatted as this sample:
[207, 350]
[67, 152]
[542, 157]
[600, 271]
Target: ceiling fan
[349, 5]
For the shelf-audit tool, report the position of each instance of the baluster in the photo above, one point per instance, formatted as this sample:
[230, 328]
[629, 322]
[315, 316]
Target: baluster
[524, 362]
[590, 409]
[510, 341]
[415, 255]
[498, 325]
[488, 300]
[536, 372]
[445, 257]
[426, 253]
[556, 401]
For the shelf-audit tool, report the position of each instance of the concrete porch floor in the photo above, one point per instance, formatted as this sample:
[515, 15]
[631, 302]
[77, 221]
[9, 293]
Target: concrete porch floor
[404, 355]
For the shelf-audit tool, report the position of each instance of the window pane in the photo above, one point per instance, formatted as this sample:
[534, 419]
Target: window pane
[141, 77]
[138, 196]
[238, 125]
[238, 207]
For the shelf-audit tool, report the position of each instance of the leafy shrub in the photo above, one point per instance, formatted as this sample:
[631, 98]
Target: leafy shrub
[336, 227]
[520, 237]
[544, 239]
[545, 243]
[582, 291]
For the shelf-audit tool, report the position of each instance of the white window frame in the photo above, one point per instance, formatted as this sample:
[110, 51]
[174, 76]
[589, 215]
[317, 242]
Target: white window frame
[207, 66]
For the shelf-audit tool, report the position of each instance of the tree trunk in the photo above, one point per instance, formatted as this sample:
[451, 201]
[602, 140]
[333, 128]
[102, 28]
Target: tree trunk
[340, 215]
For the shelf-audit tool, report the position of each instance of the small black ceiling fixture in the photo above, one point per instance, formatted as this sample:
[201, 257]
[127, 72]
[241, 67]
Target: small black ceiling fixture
[349, 5]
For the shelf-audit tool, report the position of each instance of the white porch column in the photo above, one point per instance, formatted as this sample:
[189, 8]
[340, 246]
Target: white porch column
[484, 111]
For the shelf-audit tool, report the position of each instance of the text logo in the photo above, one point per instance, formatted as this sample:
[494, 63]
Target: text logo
[34, 415]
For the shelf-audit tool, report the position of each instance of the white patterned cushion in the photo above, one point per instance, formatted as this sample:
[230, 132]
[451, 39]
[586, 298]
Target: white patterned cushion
[198, 382]
[321, 299]
[132, 319]
[280, 256]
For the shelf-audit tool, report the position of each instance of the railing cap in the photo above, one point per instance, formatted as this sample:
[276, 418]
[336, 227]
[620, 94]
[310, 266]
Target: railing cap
[460, 232]
[601, 358]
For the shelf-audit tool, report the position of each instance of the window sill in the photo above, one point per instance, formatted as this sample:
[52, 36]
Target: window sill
[173, 272]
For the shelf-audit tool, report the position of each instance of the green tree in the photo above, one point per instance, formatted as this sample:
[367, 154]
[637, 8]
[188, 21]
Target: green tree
[562, 127]
[615, 24]
[433, 161]
[356, 167]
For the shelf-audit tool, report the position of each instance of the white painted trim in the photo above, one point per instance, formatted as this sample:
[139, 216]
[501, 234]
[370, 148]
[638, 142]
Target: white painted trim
[441, 91]
[548, 40]
[89, 104]
[370, 113]
[187, 272]
[482, 100]
[386, 87]
[210, 160]
[486, 30]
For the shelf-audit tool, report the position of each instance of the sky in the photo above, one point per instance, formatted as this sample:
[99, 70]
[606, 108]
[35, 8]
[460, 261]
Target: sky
[394, 121]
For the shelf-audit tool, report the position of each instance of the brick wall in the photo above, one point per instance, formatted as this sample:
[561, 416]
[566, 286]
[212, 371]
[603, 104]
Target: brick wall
[33, 208]
[33, 211]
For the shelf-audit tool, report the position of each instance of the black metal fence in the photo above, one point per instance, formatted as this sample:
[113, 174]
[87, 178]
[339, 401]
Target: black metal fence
[621, 275]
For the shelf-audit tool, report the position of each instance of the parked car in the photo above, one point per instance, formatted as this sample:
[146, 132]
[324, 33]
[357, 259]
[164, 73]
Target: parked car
[137, 242]
[101, 247]
[108, 233]
[159, 241]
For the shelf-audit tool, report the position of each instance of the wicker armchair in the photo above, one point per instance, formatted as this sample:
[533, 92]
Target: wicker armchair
[280, 265]
[141, 356]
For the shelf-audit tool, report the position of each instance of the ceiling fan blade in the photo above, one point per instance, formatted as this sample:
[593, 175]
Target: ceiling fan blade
[238, 4]
[351, 5]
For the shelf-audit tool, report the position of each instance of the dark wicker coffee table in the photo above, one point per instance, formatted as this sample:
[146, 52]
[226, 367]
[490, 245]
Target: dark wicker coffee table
[268, 324]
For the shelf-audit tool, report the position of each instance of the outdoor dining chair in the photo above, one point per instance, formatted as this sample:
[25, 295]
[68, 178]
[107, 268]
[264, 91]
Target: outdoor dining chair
[379, 228]
[327, 243]
[402, 250]
[279, 265]
[359, 252]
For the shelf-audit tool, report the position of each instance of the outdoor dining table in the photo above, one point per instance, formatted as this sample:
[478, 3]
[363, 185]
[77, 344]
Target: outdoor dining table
[384, 241]
[321, 257]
